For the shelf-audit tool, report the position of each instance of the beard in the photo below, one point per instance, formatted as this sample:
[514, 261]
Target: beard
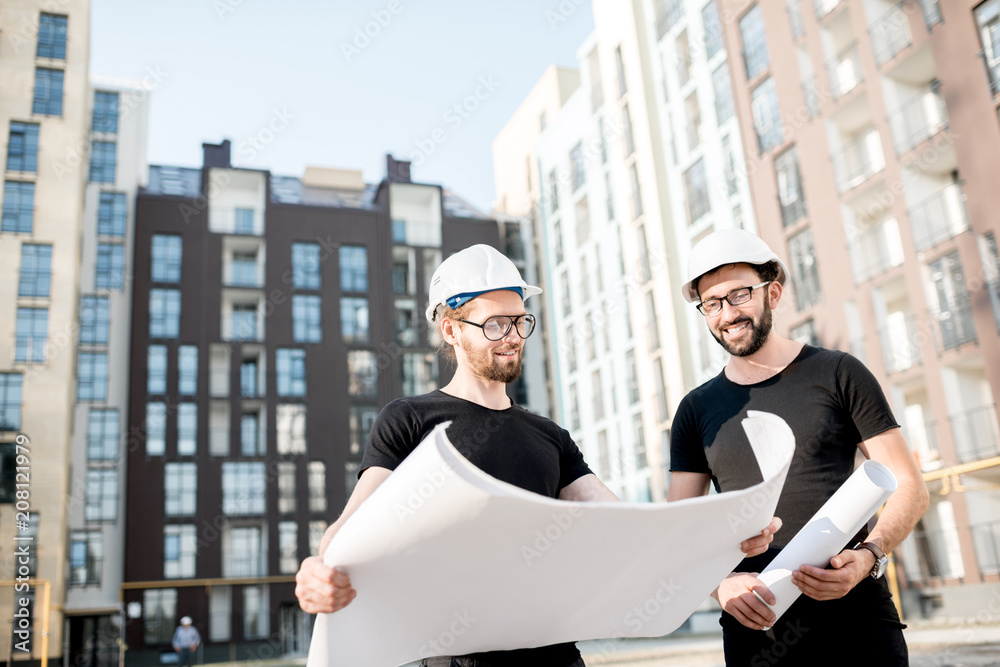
[487, 366]
[759, 330]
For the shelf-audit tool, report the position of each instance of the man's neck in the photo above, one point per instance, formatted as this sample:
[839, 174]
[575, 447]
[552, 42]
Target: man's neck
[470, 387]
[772, 358]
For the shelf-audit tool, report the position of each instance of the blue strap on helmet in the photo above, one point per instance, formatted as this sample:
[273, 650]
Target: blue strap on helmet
[459, 299]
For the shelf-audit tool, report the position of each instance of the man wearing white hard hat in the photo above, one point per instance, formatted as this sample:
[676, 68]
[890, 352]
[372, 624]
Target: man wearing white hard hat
[477, 302]
[186, 641]
[835, 407]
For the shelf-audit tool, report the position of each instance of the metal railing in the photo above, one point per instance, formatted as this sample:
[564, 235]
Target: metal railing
[954, 324]
[992, 65]
[918, 119]
[845, 71]
[976, 434]
[668, 13]
[858, 160]
[932, 13]
[890, 33]
[986, 542]
[824, 7]
[899, 346]
[939, 217]
[934, 550]
[993, 288]
[795, 18]
[875, 251]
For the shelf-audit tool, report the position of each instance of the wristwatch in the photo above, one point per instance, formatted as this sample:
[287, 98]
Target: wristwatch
[881, 560]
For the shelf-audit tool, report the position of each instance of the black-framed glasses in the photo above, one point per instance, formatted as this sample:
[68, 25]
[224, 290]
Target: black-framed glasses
[498, 326]
[737, 297]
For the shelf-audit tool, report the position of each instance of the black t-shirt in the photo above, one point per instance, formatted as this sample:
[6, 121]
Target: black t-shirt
[513, 445]
[828, 398]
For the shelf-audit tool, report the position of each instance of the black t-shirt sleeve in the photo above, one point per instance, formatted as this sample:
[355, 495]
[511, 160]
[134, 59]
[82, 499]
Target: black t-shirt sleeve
[571, 464]
[687, 451]
[864, 399]
[394, 435]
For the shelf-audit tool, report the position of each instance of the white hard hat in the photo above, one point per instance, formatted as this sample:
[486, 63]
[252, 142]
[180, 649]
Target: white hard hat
[468, 273]
[727, 246]
[186, 620]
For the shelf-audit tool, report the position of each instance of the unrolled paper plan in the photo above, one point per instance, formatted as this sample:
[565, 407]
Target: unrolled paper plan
[447, 560]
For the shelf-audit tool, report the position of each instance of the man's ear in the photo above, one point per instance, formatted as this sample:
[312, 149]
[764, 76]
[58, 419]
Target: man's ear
[774, 292]
[449, 329]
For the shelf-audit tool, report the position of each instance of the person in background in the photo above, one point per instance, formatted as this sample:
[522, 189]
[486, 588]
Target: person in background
[186, 641]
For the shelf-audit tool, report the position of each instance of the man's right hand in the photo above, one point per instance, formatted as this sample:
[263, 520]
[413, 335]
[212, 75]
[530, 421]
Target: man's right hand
[321, 589]
[736, 595]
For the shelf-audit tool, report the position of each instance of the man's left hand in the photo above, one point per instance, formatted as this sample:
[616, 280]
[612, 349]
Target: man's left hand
[758, 545]
[849, 569]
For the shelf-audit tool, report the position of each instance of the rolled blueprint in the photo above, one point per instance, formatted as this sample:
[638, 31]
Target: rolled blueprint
[829, 531]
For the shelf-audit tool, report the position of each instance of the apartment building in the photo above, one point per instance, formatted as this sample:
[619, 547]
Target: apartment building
[872, 140]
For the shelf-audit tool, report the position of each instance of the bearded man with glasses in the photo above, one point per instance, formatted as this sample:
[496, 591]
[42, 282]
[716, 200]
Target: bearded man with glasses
[836, 408]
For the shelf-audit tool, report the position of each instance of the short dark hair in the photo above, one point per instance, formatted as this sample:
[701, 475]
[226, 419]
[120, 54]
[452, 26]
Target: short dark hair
[766, 272]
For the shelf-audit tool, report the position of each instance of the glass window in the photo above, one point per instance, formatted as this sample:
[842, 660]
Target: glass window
[86, 558]
[31, 333]
[159, 615]
[628, 138]
[251, 444]
[102, 495]
[354, 319]
[574, 408]
[180, 494]
[156, 428]
[10, 401]
[180, 545]
[729, 165]
[244, 322]
[597, 394]
[52, 36]
[653, 342]
[286, 487]
[102, 161]
[94, 320]
[22, 147]
[248, 378]
[692, 112]
[306, 319]
[805, 333]
[713, 29]
[244, 487]
[305, 266]
[187, 370]
[243, 557]
[187, 429]
[164, 313]
[404, 270]
[362, 374]
[102, 435]
[291, 367]
[635, 191]
[696, 191]
[790, 195]
[361, 420]
[553, 191]
[988, 22]
[112, 212]
[288, 547]
[105, 112]
[766, 119]
[804, 270]
[406, 323]
[166, 256]
[156, 370]
[723, 87]
[243, 221]
[244, 269]
[682, 55]
[418, 373]
[48, 97]
[18, 207]
[620, 72]
[110, 270]
[92, 376]
[316, 530]
[754, 42]
[578, 166]
[632, 377]
[317, 486]
[256, 612]
[291, 427]
[353, 269]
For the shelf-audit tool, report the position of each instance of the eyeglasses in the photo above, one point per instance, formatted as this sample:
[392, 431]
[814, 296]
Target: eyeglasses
[498, 326]
[741, 295]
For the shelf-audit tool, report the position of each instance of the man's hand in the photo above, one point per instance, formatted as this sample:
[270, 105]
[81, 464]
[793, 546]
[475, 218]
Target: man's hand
[849, 569]
[322, 589]
[758, 545]
[736, 595]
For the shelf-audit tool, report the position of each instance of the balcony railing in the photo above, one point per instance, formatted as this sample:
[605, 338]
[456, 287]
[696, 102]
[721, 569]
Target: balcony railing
[845, 71]
[939, 217]
[992, 65]
[245, 275]
[932, 13]
[890, 33]
[812, 95]
[859, 159]
[795, 18]
[976, 434]
[918, 119]
[994, 290]
[875, 251]
[986, 541]
[935, 552]
[824, 7]
[900, 350]
[668, 13]
[955, 326]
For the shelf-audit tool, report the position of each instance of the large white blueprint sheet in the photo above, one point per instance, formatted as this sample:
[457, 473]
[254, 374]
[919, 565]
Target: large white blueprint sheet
[447, 560]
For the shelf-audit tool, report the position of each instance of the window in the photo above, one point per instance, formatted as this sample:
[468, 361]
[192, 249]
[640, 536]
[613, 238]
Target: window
[306, 323]
[291, 367]
[362, 374]
[156, 428]
[156, 370]
[18, 207]
[988, 21]
[804, 270]
[574, 408]
[179, 549]
[244, 322]
[596, 85]
[316, 530]
[105, 112]
[159, 615]
[354, 319]
[220, 610]
[94, 320]
[10, 401]
[693, 114]
[553, 191]
[578, 166]
[256, 612]
[244, 487]
[682, 55]
[32, 331]
[243, 557]
[660, 390]
[639, 433]
[164, 313]
[187, 429]
[713, 29]
[696, 191]
[405, 322]
[609, 196]
[353, 269]
[632, 377]
[288, 547]
[317, 486]
[754, 42]
[805, 333]
[597, 394]
[418, 373]
[651, 325]
[628, 138]
[111, 214]
[557, 241]
[361, 421]
[180, 492]
[248, 378]
[251, 444]
[187, 370]
[766, 120]
[110, 269]
[102, 162]
[305, 266]
[102, 435]
[291, 426]
[790, 195]
[569, 346]
[581, 214]
[286, 487]
[52, 36]
[603, 454]
[723, 87]
[22, 147]
[620, 73]
[86, 557]
[166, 256]
[244, 269]
[48, 92]
[92, 376]
[243, 221]
[636, 193]
[102, 495]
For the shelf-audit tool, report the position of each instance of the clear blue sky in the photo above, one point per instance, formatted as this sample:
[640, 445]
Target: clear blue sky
[227, 66]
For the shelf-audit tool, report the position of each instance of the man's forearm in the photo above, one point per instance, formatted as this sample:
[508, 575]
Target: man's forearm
[900, 514]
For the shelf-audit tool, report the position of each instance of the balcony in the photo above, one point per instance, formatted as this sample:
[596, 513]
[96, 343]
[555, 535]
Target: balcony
[986, 541]
[668, 13]
[245, 273]
[899, 343]
[936, 552]
[795, 18]
[845, 71]
[932, 13]
[859, 159]
[992, 64]
[824, 7]
[875, 251]
[955, 326]
[918, 119]
[812, 95]
[939, 217]
[975, 433]
[922, 439]
[993, 287]
[890, 33]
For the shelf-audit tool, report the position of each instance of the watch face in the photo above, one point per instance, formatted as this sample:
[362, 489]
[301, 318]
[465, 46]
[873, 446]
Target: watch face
[880, 566]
